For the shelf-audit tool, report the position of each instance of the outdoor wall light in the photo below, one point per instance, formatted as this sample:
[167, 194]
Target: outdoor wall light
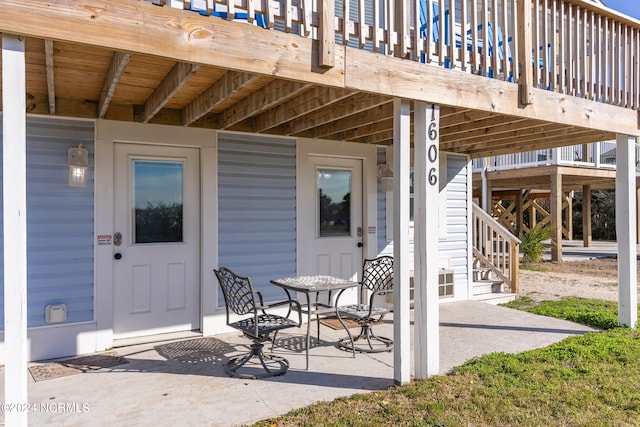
[78, 166]
[386, 177]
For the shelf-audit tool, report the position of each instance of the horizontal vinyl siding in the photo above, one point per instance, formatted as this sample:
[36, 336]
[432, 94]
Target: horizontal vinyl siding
[454, 246]
[60, 222]
[257, 208]
[381, 205]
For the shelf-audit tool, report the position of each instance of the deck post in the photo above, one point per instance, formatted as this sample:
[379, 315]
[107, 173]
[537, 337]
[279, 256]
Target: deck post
[519, 212]
[426, 215]
[638, 215]
[556, 217]
[401, 304]
[586, 215]
[486, 192]
[14, 174]
[326, 34]
[625, 230]
[524, 52]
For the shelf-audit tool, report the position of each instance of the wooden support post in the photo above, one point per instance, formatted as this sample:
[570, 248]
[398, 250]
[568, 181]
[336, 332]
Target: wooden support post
[426, 215]
[625, 224]
[569, 216]
[519, 212]
[586, 215]
[326, 34]
[401, 304]
[533, 217]
[525, 49]
[486, 192]
[14, 173]
[556, 217]
[401, 17]
[638, 215]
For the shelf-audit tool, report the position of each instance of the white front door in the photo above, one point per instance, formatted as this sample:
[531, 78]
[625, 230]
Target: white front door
[332, 212]
[156, 240]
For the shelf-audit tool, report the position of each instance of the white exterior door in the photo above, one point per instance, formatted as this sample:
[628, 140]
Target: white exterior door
[156, 240]
[332, 213]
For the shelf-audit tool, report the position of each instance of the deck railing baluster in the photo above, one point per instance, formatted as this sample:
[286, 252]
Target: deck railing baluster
[576, 48]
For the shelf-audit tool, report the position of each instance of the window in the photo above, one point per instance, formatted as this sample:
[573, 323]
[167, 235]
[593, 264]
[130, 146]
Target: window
[334, 202]
[157, 197]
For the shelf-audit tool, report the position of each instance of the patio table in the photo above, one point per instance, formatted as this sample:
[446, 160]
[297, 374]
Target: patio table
[308, 285]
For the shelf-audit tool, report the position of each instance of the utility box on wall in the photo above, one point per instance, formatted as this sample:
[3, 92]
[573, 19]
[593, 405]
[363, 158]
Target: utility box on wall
[55, 313]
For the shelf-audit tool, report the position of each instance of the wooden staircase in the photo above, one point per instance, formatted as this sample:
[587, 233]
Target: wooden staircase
[496, 260]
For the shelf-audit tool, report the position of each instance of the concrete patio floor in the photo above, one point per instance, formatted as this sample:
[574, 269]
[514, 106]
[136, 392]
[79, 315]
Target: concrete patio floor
[182, 382]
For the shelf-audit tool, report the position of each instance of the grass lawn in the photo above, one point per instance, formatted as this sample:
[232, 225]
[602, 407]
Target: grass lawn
[589, 380]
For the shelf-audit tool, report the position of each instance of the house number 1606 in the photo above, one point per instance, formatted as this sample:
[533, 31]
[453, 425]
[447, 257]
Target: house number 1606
[432, 152]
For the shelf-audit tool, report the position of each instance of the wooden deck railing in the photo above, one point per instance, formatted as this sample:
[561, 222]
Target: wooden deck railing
[568, 46]
[496, 248]
[598, 155]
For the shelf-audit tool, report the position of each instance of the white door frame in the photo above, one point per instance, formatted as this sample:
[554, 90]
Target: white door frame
[106, 134]
[338, 149]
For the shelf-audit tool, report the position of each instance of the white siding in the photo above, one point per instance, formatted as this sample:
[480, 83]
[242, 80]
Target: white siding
[381, 206]
[59, 222]
[454, 246]
[257, 208]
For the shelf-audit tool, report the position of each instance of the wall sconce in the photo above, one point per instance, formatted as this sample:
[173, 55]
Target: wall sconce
[386, 176]
[78, 166]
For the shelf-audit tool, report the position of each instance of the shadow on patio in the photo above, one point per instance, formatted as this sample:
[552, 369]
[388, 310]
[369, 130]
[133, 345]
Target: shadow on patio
[183, 382]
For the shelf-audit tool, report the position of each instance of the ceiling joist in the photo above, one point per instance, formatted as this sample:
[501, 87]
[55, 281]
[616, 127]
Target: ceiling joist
[118, 64]
[262, 100]
[180, 74]
[51, 88]
[216, 94]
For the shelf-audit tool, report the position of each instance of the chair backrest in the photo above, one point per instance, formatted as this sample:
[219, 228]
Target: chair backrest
[377, 273]
[239, 296]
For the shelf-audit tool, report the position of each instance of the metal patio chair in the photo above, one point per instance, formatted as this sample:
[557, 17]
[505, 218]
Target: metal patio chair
[241, 299]
[377, 279]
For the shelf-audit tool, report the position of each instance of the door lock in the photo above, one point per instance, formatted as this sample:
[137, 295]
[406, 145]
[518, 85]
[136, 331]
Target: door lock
[117, 239]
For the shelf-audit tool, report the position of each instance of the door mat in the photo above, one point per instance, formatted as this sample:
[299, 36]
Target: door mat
[62, 368]
[334, 323]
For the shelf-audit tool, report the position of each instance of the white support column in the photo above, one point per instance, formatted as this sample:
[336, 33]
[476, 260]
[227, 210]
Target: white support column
[14, 173]
[426, 175]
[401, 312]
[625, 230]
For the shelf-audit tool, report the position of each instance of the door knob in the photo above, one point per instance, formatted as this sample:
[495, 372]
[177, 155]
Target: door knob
[118, 255]
[360, 244]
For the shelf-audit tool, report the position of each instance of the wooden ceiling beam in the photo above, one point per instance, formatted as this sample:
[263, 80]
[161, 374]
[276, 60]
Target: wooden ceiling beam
[361, 110]
[117, 66]
[216, 94]
[309, 102]
[172, 83]
[264, 99]
[507, 134]
[549, 142]
[488, 126]
[51, 88]
[499, 129]
[464, 117]
[364, 131]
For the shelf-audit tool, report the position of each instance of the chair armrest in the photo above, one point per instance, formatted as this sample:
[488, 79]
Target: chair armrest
[261, 305]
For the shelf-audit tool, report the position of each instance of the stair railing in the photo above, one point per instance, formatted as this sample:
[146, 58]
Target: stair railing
[496, 248]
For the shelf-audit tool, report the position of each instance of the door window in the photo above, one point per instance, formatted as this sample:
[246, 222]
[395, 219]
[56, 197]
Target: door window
[157, 200]
[334, 202]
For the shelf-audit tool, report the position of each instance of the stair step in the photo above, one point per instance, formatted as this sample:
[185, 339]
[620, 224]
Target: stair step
[495, 298]
[486, 286]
